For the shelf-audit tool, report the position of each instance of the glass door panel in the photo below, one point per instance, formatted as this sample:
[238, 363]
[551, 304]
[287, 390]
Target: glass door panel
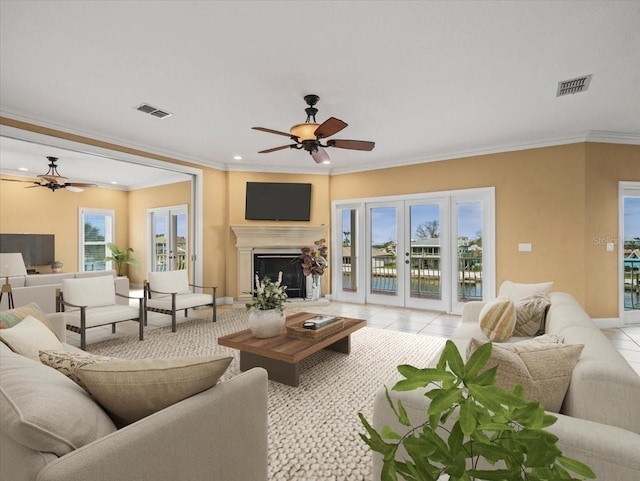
[160, 242]
[168, 242]
[349, 273]
[469, 251]
[179, 253]
[424, 254]
[631, 257]
[385, 268]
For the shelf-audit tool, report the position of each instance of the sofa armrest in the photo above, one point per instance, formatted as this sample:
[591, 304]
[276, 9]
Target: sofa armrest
[471, 311]
[219, 434]
[57, 320]
[611, 452]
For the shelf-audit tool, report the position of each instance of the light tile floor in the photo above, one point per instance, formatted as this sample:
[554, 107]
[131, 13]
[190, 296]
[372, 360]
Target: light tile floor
[430, 323]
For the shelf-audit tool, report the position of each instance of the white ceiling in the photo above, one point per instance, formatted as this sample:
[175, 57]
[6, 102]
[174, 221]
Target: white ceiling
[425, 80]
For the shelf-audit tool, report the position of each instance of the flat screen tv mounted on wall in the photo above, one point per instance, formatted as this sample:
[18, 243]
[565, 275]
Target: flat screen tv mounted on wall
[278, 201]
[36, 249]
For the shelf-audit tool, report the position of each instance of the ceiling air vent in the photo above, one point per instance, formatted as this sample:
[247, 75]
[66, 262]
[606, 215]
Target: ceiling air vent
[151, 110]
[573, 86]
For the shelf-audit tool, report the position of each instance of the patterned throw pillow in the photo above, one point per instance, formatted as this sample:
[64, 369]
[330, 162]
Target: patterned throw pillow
[13, 316]
[542, 365]
[530, 315]
[69, 362]
[497, 319]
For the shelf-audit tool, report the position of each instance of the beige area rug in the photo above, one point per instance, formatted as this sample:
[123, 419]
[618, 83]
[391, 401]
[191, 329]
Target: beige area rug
[314, 428]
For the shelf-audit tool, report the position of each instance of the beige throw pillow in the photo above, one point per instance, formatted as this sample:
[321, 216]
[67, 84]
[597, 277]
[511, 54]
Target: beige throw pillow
[30, 336]
[12, 317]
[497, 320]
[44, 411]
[530, 315]
[516, 291]
[131, 390]
[542, 365]
[69, 362]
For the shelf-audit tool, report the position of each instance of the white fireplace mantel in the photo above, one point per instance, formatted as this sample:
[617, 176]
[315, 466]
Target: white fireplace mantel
[251, 239]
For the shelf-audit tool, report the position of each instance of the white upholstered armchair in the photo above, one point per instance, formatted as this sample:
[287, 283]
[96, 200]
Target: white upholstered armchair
[169, 292]
[91, 302]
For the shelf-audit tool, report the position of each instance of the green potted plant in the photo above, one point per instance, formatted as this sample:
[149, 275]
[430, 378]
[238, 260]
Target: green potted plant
[120, 257]
[469, 420]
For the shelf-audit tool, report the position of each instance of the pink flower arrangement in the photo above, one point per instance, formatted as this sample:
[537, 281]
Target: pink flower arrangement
[314, 259]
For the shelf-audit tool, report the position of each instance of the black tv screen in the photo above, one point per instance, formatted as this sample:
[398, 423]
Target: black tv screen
[278, 201]
[36, 249]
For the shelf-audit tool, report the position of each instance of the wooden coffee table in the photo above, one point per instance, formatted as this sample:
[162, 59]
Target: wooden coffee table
[281, 355]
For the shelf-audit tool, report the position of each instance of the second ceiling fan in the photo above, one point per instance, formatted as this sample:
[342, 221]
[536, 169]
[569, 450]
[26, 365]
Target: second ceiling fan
[53, 181]
[310, 135]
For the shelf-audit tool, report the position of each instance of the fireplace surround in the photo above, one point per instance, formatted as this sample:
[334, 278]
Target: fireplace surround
[269, 239]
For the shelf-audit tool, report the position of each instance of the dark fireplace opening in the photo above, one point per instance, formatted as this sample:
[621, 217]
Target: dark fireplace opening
[269, 265]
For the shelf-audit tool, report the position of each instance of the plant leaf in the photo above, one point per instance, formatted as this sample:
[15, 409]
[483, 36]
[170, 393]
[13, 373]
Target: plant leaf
[577, 467]
[454, 359]
[445, 399]
[478, 360]
[467, 416]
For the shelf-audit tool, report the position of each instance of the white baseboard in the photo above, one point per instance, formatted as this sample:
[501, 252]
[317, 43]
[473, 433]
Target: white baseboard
[608, 323]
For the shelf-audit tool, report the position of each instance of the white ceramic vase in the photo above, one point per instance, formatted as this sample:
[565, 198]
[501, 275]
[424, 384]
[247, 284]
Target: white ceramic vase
[314, 287]
[267, 323]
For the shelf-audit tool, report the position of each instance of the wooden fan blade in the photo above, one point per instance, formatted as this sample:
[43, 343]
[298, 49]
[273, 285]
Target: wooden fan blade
[282, 147]
[73, 188]
[79, 184]
[277, 132]
[351, 144]
[56, 179]
[329, 127]
[16, 180]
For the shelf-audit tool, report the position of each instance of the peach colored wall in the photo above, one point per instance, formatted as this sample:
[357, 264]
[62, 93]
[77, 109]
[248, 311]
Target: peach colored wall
[42, 211]
[539, 199]
[236, 190]
[216, 265]
[557, 198]
[141, 200]
[606, 165]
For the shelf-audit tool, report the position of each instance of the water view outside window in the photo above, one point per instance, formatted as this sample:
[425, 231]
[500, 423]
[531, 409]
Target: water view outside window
[383, 249]
[424, 257]
[631, 253]
[469, 251]
[349, 243]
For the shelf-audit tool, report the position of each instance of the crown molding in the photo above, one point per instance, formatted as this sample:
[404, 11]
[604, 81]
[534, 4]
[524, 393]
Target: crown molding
[632, 138]
[611, 137]
[27, 118]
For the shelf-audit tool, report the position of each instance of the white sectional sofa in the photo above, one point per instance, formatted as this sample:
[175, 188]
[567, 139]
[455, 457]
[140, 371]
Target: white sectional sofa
[598, 423]
[41, 288]
[219, 434]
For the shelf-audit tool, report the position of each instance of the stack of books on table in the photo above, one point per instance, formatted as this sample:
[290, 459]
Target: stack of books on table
[317, 322]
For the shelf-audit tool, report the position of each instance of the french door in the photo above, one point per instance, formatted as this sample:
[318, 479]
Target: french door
[167, 239]
[629, 251]
[433, 251]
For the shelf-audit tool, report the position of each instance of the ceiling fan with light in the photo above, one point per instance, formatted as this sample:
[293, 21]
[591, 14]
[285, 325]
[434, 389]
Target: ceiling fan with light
[53, 180]
[310, 134]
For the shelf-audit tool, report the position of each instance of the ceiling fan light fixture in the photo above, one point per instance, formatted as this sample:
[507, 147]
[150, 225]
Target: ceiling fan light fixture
[304, 131]
[320, 156]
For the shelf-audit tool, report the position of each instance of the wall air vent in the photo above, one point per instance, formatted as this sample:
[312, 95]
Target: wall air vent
[573, 86]
[151, 110]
